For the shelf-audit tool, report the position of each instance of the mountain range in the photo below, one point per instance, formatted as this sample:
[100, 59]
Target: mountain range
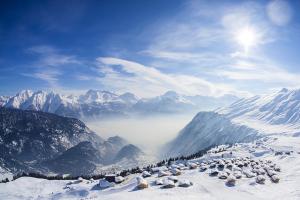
[45, 142]
[96, 103]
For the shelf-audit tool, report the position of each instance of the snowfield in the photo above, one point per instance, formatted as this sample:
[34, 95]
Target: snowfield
[282, 150]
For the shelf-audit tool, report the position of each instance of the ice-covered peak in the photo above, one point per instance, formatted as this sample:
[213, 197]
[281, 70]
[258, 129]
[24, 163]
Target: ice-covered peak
[98, 96]
[129, 97]
[19, 99]
[170, 94]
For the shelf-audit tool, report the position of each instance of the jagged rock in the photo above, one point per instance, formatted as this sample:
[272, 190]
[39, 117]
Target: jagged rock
[249, 174]
[104, 184]
[181, 166]
[203, 168]
[119, 179]
[185, 183]
[223, 175]
[146, 174]
[231, 180]
[237, 174]
[275, 179]
[192, 165]
[229, 166]
[159, 182]
[213, 172]
[271, 172]
[173, 178]
[236, 168]
[167, 183]
[141, 183]
[261, 171]
[260, 179]
[162, 173]
[212, 165]
[277, 168]
[175, 172]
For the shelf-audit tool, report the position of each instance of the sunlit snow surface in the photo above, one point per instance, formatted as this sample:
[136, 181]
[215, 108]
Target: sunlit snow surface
[205, 187]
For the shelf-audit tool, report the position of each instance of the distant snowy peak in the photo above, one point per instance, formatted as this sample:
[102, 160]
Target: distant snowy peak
[3, 100]
[170, 102]
[282, 107]
[129, 98]
[19, 99]
[97, 103]
[97, 96]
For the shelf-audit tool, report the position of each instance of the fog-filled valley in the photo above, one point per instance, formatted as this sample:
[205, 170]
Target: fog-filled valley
[149, 132]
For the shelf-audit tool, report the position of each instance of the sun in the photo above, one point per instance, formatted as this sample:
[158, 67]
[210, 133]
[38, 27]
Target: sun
[247, 37]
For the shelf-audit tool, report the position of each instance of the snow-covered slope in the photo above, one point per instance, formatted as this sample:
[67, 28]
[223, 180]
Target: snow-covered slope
[204, 186]
[278, 108]
[205, 130]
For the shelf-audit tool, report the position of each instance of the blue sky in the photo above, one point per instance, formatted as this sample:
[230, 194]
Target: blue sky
[149, 47]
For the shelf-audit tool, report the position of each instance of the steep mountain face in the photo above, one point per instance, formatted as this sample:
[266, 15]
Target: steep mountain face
[19, 99]
[242, 121]
[282, 107]
[80, 159]
[31, 137]
[93, 103]
[129, 152]
[96, 103]
[38, 141]
[3, 100]
[205, 130]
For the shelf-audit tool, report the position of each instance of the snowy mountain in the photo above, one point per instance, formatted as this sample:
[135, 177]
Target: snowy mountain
[172, 102]
[205, 130]
[242, 121]
[3, 100]
[96, 103]
[38, 141]
[278, 108]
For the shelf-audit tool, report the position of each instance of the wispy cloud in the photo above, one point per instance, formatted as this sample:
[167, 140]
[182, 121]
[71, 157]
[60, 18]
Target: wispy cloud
[50, 76]
[49, 64]
[52, 57]
[149, 81]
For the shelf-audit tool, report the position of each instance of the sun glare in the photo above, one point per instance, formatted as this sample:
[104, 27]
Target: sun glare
[246, 37]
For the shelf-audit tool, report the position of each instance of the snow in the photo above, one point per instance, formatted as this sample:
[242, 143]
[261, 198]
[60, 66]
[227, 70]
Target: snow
[204, 186]
[278, 108]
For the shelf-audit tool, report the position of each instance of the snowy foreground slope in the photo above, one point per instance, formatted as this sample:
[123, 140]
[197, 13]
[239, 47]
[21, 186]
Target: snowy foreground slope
[204, 186]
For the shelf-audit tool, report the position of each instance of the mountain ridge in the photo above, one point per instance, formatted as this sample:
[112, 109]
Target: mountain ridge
[97, 103]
